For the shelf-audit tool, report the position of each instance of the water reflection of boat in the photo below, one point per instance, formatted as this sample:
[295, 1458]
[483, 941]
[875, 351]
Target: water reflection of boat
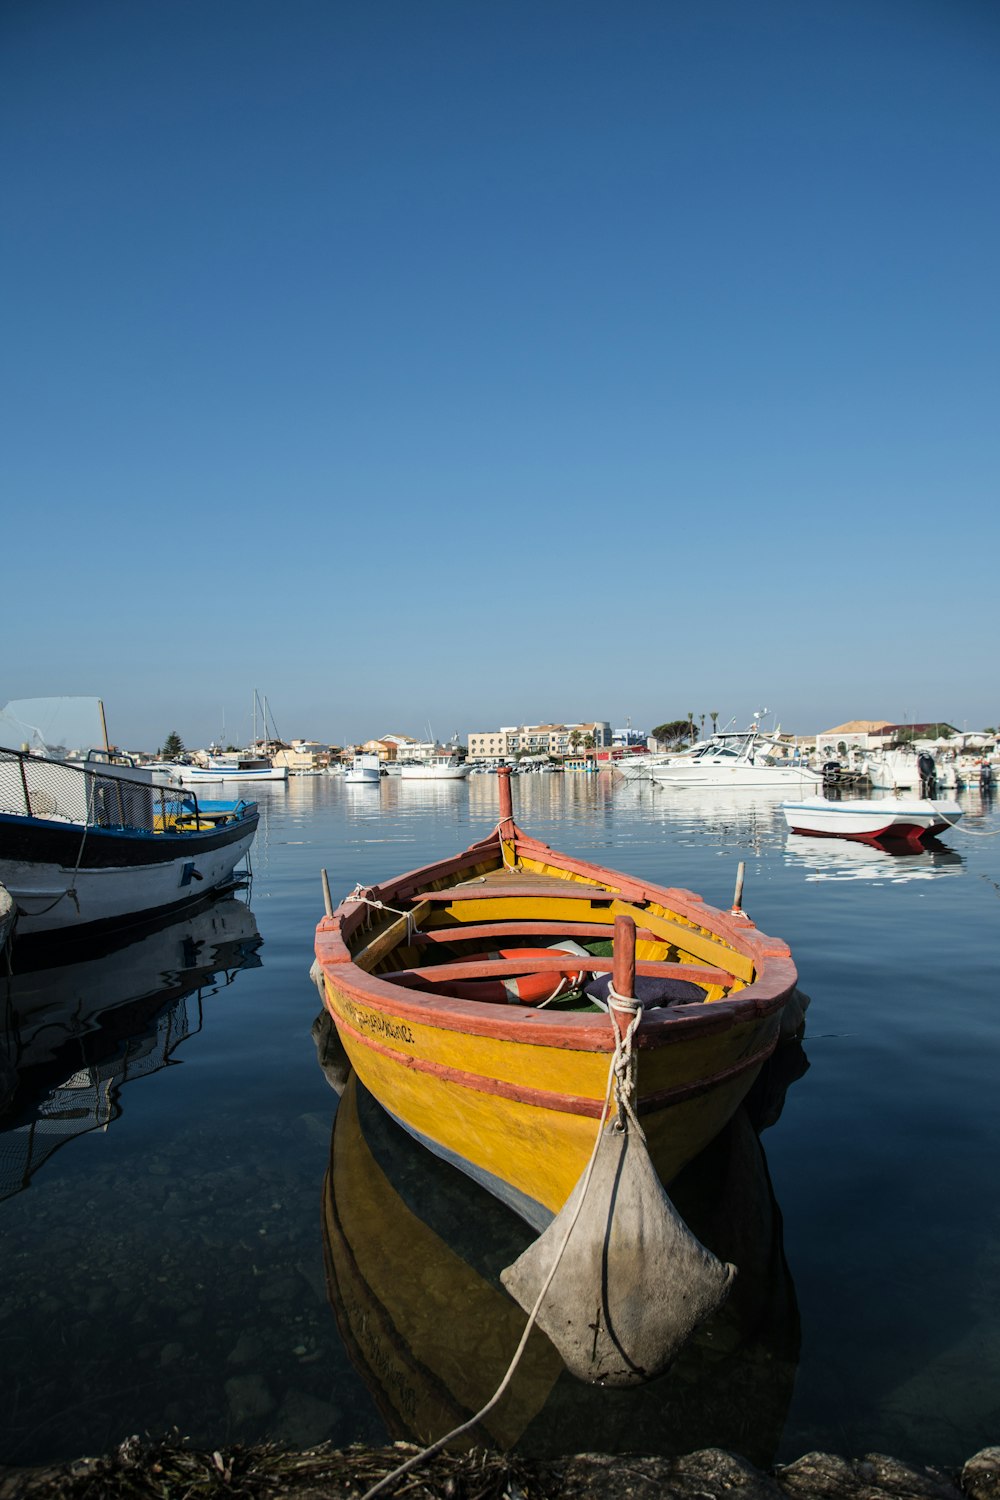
[414, 1252]
[749, 819]
[8, 913]
[72, 1035]
[845, 859]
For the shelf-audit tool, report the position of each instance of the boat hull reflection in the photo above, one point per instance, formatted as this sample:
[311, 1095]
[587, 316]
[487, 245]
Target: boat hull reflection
[413, 1254]
[870, 859]
[74, 1033]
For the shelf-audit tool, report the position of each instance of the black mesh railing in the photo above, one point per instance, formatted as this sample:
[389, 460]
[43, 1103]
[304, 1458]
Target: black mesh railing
[92, 795]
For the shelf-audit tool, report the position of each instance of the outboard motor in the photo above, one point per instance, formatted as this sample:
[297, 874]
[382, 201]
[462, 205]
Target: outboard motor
[985, 777]
[831, 772]
[928, 774]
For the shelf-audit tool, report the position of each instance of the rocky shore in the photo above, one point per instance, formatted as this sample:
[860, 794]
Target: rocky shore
[172, 1471]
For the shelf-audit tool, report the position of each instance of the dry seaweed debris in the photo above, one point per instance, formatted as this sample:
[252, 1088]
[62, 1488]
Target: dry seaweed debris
[170, 1470]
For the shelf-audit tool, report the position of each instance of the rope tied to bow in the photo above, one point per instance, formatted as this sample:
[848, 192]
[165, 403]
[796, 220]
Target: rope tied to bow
[359, 894]
[498, 831]
[624, 1061]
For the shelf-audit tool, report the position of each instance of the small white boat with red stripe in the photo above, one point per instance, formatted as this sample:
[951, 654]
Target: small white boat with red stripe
[885, 819]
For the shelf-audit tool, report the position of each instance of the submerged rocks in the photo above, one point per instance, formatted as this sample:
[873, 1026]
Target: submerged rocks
[248, 1396]
[980, 1476]
[816, 1476]
[696, 1476]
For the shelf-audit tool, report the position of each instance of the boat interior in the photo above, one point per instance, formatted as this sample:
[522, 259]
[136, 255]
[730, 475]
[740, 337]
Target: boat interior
[512, 927]
[192, 815]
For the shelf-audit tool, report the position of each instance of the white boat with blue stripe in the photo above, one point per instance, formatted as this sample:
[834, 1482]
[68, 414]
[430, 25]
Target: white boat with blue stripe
[229, 768]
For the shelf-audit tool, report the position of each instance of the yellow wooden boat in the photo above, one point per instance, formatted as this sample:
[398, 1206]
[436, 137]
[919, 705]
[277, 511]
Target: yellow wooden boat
[513, 1093]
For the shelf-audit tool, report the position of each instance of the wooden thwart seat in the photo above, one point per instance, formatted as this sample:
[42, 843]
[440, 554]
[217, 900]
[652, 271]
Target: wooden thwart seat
[555, 963]
[529, 887]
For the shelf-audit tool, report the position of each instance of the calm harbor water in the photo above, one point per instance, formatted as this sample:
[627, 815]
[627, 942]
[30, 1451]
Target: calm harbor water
[199, 1233]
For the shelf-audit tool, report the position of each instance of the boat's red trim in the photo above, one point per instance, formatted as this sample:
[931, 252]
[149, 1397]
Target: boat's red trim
[545, 1028]
[544, 1099]
[900, 833]
[775, 972]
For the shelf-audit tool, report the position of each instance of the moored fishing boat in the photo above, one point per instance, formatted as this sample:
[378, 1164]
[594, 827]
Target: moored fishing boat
[230, 768]
[259, 762]
[886, 819]
[95, 845]
[364, 770]
[515, 1093]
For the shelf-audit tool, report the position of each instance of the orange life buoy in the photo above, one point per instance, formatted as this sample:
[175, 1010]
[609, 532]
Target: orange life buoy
[524, 989]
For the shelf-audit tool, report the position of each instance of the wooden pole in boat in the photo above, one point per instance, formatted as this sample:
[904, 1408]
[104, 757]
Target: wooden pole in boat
[327, 898]
[737, 905]
[623, 961]
[623, 967]
[506, 803]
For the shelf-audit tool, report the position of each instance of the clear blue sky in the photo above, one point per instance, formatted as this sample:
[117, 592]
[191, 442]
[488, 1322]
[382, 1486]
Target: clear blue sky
[468, 363]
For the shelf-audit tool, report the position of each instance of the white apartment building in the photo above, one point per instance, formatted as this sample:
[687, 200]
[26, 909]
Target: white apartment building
[538, 739]
[390, 747]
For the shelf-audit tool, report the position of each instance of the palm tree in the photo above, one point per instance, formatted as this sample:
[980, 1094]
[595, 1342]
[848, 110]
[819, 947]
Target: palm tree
[714, 715]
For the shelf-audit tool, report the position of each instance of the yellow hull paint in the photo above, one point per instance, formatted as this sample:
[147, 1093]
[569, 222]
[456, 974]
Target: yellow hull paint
[537, 1149]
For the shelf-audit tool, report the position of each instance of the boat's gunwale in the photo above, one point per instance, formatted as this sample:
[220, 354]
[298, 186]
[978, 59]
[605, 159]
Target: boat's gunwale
[775, 972]
[71, 843]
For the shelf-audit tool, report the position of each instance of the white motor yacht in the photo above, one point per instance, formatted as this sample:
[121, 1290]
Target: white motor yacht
[741, 758]
[435, 768]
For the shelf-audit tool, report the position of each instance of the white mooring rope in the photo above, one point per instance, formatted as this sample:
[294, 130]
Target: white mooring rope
[621, 1074]
[411, 927]
[973, 833]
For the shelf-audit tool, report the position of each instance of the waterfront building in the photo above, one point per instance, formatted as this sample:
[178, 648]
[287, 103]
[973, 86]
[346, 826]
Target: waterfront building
[401, 747]
[302, 755]
[512, 740]
[876, 734]
[391, 747]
